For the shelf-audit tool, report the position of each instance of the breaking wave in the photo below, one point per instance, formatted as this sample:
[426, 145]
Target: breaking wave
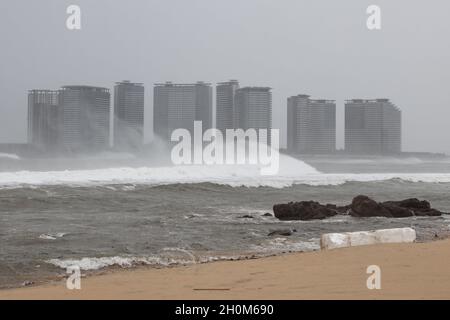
[88, 264]
[292, 171]
[177, 256]
[92, 264]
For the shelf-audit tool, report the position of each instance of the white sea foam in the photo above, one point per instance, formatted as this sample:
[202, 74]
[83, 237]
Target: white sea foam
[166, 257]
[93, 263]
[47, 237]
[87, 264]
[52, 236]
[278, 245]
[291, 172]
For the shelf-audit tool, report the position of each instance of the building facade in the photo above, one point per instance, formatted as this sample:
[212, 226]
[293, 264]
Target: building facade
[311, 125]
[85, 118]
[225, 104]
[128, 115]
[177, 106]
[253, 108]
[372, 127]
[44, 119]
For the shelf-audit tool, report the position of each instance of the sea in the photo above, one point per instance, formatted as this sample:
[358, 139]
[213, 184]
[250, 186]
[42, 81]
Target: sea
[114, 211]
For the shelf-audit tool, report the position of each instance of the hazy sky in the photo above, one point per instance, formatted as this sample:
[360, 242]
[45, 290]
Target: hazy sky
[321, 48]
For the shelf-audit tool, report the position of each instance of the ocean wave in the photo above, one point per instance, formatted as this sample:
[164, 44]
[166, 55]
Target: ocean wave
[280, 245]
[161, 260]
[274, 247]
[291, 172]
[233, 175]
[88, 264]
[147, 176]
[167, 257]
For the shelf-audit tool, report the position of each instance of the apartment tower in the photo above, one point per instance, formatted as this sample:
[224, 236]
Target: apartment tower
[44, 119]
[372, 127]
[85, 118]
[225, 104]
[179, 105]
[311, 125]
[128, 115]
[253, 108]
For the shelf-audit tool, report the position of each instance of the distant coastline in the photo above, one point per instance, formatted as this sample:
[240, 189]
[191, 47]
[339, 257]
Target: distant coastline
[29, 151]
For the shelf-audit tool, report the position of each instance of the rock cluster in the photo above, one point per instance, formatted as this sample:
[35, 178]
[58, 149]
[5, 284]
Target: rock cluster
[361, 206]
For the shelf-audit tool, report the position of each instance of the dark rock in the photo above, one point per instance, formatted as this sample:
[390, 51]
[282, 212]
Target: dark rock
[338, 209]
[398, 212]
[284, 232]
[363, 206]
[247, 216]
[305, 210]
[411, 204]
[27, 283]
[267, 215]
[415, 204]
[429, 213]
[417, 207]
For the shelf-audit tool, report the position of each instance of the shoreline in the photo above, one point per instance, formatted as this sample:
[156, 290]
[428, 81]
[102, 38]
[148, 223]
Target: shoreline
[408, 271]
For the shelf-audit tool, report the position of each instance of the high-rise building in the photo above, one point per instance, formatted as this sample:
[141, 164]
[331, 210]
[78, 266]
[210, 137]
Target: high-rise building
[128, 115]
[253, 108]
[225, 104]
[372, 127]
[44, 119]
[177, 106]
[311, 125]
[86, 118]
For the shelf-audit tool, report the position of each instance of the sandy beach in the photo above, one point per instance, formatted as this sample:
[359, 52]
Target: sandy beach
[408, 271]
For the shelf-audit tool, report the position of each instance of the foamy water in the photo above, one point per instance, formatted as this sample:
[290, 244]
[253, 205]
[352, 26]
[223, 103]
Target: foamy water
[164, 216]
[291, 172]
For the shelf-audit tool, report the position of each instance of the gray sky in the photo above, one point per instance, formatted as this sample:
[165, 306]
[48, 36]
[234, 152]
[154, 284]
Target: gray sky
[319, 47]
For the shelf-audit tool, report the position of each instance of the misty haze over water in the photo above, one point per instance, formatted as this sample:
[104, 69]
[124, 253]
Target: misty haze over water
[321, 48]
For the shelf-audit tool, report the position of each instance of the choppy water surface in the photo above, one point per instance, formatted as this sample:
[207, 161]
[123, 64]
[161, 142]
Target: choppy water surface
[47, 227]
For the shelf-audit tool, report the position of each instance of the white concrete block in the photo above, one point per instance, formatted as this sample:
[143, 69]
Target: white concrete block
[395, 235]
[361, 238]
[334, 240]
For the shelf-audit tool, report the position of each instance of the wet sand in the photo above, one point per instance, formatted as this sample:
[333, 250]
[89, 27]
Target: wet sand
[408, 271]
